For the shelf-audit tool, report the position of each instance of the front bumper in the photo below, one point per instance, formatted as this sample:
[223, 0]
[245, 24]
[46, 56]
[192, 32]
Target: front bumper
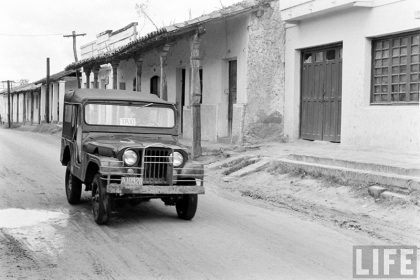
[154, 189]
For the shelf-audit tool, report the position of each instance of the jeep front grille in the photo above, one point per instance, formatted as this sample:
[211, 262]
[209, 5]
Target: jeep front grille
[157, 167]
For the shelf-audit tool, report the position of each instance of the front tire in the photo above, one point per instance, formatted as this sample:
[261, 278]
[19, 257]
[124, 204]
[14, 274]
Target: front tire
[73, 187]
[101, 201]
[187, 206]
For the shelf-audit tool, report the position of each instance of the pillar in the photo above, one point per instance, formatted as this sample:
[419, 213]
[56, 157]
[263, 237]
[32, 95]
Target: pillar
[24, 107]
[32, 107]
[115, 65]
[17, 107]
[42, 103]
[51, 101]
[61, 93]
[196, 95]
[55, 101]
[87, 73]
[139, 69]
[163, 70]
[95, 71]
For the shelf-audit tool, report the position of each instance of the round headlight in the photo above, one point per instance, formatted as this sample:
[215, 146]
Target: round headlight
[130, 157]
[178, 159]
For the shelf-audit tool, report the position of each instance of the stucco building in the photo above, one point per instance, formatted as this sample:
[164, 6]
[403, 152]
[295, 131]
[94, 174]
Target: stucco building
[240, 65]
[28, 102]
[352, 72]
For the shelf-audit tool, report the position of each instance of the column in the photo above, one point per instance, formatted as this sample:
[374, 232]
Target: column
[163, 70]
[95, 71]
[87, 73]
[51, 101]
[61, 93]
[55, 93]
[115, 65]
[42, 103]
[32, 107]
[17, 107]
[24, 107]
[196, 95]
[139, 69]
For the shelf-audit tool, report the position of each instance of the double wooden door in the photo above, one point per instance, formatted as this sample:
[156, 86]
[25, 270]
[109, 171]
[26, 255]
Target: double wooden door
[321, 93]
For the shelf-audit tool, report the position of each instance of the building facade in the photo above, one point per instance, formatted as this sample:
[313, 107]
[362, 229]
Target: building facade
[241, 69]
[28, 102]
[352, 72]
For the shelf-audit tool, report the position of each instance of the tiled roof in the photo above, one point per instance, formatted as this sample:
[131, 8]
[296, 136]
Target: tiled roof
[57, 76]
[22, 88]
[166, 34]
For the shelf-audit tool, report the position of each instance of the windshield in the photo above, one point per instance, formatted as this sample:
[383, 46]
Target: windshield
[129, 115]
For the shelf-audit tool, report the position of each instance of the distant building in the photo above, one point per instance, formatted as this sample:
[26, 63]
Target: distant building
[28, 102]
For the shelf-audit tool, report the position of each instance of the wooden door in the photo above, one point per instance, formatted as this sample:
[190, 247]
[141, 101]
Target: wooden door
[232, 92]
[321, 94]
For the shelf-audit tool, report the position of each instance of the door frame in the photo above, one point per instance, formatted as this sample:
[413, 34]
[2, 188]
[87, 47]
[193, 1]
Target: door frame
[313, 49]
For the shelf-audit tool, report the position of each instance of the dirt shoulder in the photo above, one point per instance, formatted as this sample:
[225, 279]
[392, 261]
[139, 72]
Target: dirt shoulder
[323, 199]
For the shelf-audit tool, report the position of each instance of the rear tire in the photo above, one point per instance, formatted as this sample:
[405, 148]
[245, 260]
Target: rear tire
[101, 201]
[73, 187]
[187, 206]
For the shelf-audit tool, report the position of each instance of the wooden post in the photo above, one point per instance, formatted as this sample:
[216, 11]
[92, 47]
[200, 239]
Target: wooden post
[95, 71]
[87, 73]
[115, 65]
[196, 96]
[139, 64]
[163, 70]
[47, 93]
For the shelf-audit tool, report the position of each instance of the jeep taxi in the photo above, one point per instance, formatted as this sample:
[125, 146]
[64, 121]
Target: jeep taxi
[123, 147]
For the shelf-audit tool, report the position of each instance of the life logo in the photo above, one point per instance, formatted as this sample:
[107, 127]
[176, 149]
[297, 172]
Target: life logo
[385, 262]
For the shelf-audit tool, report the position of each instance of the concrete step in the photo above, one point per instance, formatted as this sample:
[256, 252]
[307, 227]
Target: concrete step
[404, 182]
[409, 171]
[228, 162]
[259, 165]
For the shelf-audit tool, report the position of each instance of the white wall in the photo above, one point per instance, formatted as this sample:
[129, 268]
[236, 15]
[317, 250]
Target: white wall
[223, 41]
[395, 127]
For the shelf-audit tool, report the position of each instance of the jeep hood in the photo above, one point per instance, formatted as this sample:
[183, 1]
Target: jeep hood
[110, 145]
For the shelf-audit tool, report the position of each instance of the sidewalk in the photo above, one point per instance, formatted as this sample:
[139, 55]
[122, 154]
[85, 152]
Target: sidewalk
[349, 164]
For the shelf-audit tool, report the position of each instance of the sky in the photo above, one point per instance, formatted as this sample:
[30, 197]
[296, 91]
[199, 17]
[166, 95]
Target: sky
[31, 31]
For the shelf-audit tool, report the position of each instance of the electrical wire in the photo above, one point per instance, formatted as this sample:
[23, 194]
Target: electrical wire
[29, 35]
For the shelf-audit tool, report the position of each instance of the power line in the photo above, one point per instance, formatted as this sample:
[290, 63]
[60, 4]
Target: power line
[29, 35]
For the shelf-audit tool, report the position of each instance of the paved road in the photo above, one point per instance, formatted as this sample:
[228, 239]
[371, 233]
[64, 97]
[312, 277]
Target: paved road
[42, 237]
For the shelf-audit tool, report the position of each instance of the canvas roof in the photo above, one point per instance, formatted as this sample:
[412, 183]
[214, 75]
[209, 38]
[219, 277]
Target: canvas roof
[83, 95]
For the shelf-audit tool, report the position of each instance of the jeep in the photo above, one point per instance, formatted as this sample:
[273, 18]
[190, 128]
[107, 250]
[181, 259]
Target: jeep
[123, 146]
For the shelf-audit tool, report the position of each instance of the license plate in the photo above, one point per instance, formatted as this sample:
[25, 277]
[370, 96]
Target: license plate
[132, 181]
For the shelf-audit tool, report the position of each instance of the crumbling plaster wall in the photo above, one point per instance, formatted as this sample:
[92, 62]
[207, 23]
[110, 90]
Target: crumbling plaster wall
[263, 118]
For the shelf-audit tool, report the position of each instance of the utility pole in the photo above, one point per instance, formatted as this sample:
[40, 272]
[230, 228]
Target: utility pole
[47, 93]
[74, 35]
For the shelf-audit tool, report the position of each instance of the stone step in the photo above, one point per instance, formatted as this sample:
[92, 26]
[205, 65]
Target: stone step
[404, 182]
[383, 168]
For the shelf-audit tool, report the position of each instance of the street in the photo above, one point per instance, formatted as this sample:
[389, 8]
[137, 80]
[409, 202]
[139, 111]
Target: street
[43, 237]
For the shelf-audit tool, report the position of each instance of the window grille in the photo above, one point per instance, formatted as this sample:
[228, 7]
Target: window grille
[396, 69]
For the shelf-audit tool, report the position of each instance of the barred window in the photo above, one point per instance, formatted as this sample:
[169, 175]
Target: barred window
[396, 69]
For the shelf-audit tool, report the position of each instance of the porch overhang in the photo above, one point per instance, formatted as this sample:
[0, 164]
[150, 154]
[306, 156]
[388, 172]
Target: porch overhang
[298, 11]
